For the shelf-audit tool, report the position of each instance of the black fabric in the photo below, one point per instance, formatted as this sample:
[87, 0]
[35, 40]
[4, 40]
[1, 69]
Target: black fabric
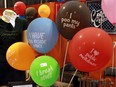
[8, 36]
[8, 74]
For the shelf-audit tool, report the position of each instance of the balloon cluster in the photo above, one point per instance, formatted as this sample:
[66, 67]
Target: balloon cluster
[44, 70]
[30, 13]
[90, 48]
[42, 35]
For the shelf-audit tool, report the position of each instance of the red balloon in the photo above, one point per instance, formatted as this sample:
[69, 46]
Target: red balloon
[19, 8]
[90, 49]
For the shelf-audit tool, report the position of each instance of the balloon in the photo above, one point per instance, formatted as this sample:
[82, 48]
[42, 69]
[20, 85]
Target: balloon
[109, 9]
[44, 10]
[90, 49]
[60, 0]
[22, 16]
[19, 8]
[30, 13]
[72, 17]
[42, 34]
[44, 71]
[20, 56]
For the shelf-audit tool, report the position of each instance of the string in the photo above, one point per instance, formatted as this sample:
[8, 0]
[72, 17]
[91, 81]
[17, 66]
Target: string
[72, 78]
[64, 60]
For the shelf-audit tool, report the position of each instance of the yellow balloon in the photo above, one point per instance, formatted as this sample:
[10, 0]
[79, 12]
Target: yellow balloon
[20, 56]
[44, 10]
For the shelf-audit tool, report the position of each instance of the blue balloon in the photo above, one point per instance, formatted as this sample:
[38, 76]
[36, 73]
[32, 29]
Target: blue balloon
[60, 0]
[42, 34]
[22, 16]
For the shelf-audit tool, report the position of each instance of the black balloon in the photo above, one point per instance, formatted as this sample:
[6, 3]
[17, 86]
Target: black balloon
[72, 17]
[30, 14]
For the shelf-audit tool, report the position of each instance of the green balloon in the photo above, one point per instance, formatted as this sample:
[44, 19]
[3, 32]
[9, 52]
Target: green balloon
[44, 70]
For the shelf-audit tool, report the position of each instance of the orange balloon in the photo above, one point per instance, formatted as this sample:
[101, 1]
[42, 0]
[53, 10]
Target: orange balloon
[20, 56]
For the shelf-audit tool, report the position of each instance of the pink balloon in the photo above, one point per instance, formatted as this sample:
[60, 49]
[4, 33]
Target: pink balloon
[109, 9]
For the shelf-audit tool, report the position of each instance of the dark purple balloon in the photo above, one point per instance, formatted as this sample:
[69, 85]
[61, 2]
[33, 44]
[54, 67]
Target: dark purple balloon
[72, 17]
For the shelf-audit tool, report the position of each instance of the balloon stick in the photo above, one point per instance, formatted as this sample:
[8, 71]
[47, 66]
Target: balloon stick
[72, 78]
[113, 59]
[64, 60]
